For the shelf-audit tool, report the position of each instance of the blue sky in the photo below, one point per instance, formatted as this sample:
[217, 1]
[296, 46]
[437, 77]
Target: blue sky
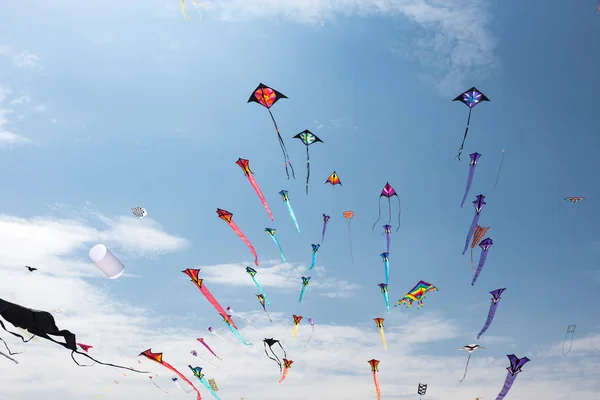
[108, 106]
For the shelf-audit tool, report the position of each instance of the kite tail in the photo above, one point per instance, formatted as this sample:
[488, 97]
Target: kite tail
[489, 320]
[14, 334]
[301, 295]
[387, 301]
[295, 330]
[101, 363]
[211, 299]
[323, 233]
[239, 232]
[499, 168]
[262, 291]
[283, 375]
[158, 386]
[399, 213]
[307, 169]
[268, 316]
[310, 337]
[378, 214]
[212, 352]
[314, 260]
[387, 272]
[570, 344]
[480, 266]
[377, 388]
[10, 358]
[350, 240]
[286, 157]
[291, 211]
[508, 382]
[183, 10]
[388, 242]
[8, 349]
[473, 262]
[466, 367]
[260, 195]
[238, 335]
[280, 249]
[207, 386]
[471, 230]
[462, 145]
[383, 338]
[276, 359]
[469, 182]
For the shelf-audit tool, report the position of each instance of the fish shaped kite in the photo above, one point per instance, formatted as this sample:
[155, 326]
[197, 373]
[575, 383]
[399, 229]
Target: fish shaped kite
[286, 200]
[201, 340]
[479, 203]
[493, 306]
[375, 368]
[287, 364]
[485, 246]
[417, 293]
[574, 199]
[235, 332]
[305, 282]
[334, 179]
[422, 389]
[271, 232]
[266, 97]
[389, 192]
[252, 272]
[387, 231]
[261, 300]
[386, 266]
[379, 323]
[348, 215]
[478, 235]
[311, 321]
[270, 342]
[325, 220]
[193, 274]
[307, 138]
[470, 348]
[227, 217]
[297, 319]
[245, 166]
[158, 357]
[197, 371]
[472, 165]
[516, 364]
[384, 291]
[315, 249]
[470, 98]
[571, 331]
[139, 212]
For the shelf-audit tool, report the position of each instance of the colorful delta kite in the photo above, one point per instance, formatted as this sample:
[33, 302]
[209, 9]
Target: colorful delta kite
[422, 389]
[139, 212]
[287, 364]
[201, 340]
[470, 98]
[387, 231]
[389, 192]
[286, 199]
[478, 235]
[261, 300]
[311, 321]
[297, 320]
[315, 250]
[574, 199]
[485, 246]
[227, 217]
[379, 323]
[193, 274]
[472, 166]
[417, 294]
[334, 179]
[270, 342]
[158, 357]
[325, 221]
[493, 306]
[245, 166]
[271, 232]
[305, 282]
[348, 215]
[470, 348]
[571, 332]
[386, 266]
[266, 97]
[479, 203]
[516, 364]
[307, 138]
[384, 291]
[197, 371]
[375, 368]
[252, 272]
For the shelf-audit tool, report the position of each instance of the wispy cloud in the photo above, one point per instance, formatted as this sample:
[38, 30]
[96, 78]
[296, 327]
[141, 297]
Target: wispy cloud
[8, 137]
[20, 59]
[40, 108]
[23, 99]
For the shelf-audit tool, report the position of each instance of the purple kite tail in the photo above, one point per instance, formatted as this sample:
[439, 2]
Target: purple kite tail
[480, 266]
[471, 230]
[323, 234]
[508, 382]
[469, 181]
[489, 320]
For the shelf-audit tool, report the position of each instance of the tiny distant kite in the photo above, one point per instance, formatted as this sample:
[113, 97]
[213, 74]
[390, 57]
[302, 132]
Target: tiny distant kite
[315, 250]
[379, 323]
[389, 192]
[493, 306]
[422, 389]
[311, 321]
[139, 212]
[574, 199]
[305, 282]
[31, 269]
[176, 382]
[478, 235]
[252, 272]
[270, 342]
[307, 138]
[375, 368]
[230, 311]
[214, 332]
[245, 166]
[387, 231]
[271, 232]
[261, 300]
[386, 266]
[266, 97]
[417, 293]
[154, 383]
[570, 330]
[193, 274]
[325, 220]
[479, 203]
[201, 340]
[158, 357]
[213, 385]
[348, 215]
[472, 166]
[287, 364]
[470, 98]
[197, 371]
[516, 364]
[470, 348]
[227, 217]
[297, 319]
[485, 246]
[334, 179]
[85, 347]
[194, 353]
[499, 168]
[286, 199]
[384, 290]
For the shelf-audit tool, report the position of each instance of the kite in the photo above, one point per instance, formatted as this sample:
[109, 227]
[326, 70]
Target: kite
[422, 389]
[311, 321]
[286, 200]
[271, 342]
[384, 290]
[31, 269]
[213, 385]
[236, 332]
[472, 166]
[374, 368]
[387, 231]
[194, 353]
[201, 340]
[230, 310]
[417, 293]
[574, 199]
[495, 299]
[470, 348]
[139, 212]
[389, 192]
[245, 166]
[227, 217]
[379, 323]
[266, 97]
[106, 261]
[478, 235]
[386, 266]
[287, 364]
[315, 249]
[158, 357]
[198, 374]
[307, 138]
[499, 168]
[571, 330]
[470, 98]
[85, 347]
[485, 246]
[176, 382]
[271, 232]
[479, 203]
[334, 179]
[252, 272]
[348, 215]
[154, 383]
[42, 324]
[516, 364]
[305, 282]
[193, 274]
[325, 220]
[297, 319]
[261, 300]
[214, 332]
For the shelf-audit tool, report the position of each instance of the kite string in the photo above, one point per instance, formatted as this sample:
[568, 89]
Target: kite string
[10, 358]
[378, 215]
[100, 362]
[499, 168]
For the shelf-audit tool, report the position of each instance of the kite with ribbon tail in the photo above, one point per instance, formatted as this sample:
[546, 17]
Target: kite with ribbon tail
[384, 291]
[389, 192]
[485, 246]
[470, 348]
[158, 357]
[386, 266]
[305, 282]
[236, 333]
[307, 138]
[325, 220]
[472, 165]
[315, 250]
[493, 306]
[311, 321]
[379, 323]
[193, 274]
[348, 215]
[478, 235]
[261, 300]
[479, 203]
[287, 364]
[271, 232]
[470, 98]
[231, 312]
[286, 199]
[227, 217]
[245, 166]
[516, 364]
[375, 368]
[270, 342]
[387, 231]
[201, 340]
[297, 319]
[571, 331]
[417, 293]
[197, 371]
[252, 272]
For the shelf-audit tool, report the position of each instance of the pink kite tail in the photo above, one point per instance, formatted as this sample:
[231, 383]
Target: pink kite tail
[260, 195]
[209, 349]
[211, 299]
[377, 389]
[284, 375]
[237, 230]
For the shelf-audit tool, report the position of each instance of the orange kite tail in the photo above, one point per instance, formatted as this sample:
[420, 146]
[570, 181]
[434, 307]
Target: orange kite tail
[284, 375]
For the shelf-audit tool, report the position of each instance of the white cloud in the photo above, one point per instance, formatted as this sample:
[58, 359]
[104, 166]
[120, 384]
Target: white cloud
[53, 120]
[23, 99]
[40, 108]
[20, 59]
[8, 137]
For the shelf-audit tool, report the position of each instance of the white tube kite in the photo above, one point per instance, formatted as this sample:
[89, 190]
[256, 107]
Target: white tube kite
[106, 261]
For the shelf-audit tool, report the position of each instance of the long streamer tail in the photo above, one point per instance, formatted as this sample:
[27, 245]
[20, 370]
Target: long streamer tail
[301, 295]
[286, 157]
[307, 168]
[473, 262]
[468, 187]
[308, 341]
[462, 145]
[283, 375]
[10, 358]
[479, 267]
[508, 382]
[314, 260]
[399, 213]
[295, 331]
[378, 214]
[470, 233]
[239, 232]
[260, 194]
[570, 344]
[489, 319]
[262, 291]
[350, 240]
[291, 211]
[466, 367]
[102, 363]
[383, 338]
[280, 249]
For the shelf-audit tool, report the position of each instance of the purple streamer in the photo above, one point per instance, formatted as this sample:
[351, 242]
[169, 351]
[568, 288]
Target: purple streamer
[471, 231]
[508, 382]
[387, 231]
[493, 306]
[469, 181]
[325, 220]
[480, 266]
